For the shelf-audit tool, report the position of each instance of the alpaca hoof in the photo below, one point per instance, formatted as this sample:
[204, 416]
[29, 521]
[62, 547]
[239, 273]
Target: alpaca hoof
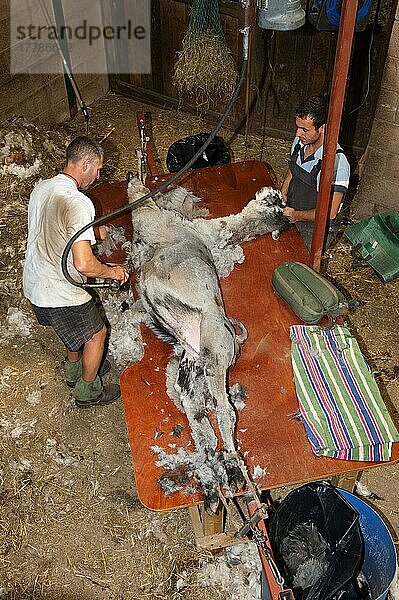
[235, 477]
[211, 500]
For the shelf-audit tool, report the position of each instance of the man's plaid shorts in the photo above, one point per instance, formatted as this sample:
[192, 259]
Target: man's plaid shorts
[74, 325]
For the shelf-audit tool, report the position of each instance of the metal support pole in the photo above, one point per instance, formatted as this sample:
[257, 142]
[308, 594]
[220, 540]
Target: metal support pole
[340, 73]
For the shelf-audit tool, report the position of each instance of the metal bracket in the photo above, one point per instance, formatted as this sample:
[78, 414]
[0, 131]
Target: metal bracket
[259, 514]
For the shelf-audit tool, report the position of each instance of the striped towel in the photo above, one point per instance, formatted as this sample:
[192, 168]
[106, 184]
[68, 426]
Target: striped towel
[339, 400]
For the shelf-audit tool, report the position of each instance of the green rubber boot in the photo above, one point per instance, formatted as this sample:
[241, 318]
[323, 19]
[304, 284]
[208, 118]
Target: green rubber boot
[73, 372]
[87, 392]
[93, 393]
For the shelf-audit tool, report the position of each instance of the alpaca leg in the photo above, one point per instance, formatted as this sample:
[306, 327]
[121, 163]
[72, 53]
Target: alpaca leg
[205, 441]
[226, 421]
[194, 397]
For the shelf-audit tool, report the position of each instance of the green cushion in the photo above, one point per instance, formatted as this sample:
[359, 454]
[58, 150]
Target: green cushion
[310, 295]
[376, 240]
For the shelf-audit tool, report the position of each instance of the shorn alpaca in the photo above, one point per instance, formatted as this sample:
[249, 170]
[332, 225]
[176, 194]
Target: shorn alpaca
[179, 262]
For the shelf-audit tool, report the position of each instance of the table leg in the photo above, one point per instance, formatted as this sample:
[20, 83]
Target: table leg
[347, 481]
[209, 530]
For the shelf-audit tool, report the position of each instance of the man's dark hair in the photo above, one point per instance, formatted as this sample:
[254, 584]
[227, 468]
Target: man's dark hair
[83, 147]
[313, 108]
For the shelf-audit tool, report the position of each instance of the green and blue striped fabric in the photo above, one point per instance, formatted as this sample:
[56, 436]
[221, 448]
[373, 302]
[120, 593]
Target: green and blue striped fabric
[339, 400]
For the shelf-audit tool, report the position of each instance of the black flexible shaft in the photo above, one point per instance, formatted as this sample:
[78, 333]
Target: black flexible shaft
[131, 206]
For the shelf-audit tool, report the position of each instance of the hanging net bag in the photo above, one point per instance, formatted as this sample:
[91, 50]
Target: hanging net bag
[205, 69]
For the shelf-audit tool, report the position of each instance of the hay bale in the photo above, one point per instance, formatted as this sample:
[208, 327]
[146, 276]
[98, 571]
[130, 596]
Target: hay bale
[205, 69]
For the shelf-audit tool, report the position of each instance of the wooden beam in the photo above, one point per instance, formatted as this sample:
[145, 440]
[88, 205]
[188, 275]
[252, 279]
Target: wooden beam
[340, 73]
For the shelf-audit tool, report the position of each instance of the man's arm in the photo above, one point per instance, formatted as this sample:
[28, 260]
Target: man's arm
[100, 232]
[87, 264]
[309, 215]
[335, 204]
[285, 185]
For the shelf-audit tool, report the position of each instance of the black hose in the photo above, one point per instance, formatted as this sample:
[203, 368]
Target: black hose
[131, 206]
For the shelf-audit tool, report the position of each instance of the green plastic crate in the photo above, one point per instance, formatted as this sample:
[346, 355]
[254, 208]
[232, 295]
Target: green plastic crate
[376, 240]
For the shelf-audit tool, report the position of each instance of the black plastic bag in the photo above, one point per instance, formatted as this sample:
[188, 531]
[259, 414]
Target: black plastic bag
[180, 152]
[317, 542]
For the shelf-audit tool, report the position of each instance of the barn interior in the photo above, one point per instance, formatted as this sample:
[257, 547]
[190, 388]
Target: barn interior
[72, 524]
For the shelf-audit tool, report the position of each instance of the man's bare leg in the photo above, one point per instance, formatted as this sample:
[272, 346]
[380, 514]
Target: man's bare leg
[73, 356]
[93, 351]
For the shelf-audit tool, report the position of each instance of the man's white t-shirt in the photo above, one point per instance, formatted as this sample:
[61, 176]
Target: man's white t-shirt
[57, 210]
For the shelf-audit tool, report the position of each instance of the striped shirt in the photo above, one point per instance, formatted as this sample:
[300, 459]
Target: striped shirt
[340, 180]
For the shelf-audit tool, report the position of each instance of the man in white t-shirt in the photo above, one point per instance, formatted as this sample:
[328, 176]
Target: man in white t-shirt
[57, 210]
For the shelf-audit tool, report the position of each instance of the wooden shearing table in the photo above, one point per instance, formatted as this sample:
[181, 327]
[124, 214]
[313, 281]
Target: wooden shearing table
[267, 434]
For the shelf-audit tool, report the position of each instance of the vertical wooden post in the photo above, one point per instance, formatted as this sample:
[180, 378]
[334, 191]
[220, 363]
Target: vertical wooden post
[340, 73]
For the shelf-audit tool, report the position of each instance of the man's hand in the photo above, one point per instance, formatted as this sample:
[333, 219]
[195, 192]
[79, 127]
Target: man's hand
[291, 214]
[299, 215]
[119, 273]
[101, 232]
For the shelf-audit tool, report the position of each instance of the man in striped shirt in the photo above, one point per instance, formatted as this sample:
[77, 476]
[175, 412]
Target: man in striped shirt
[302, 180]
